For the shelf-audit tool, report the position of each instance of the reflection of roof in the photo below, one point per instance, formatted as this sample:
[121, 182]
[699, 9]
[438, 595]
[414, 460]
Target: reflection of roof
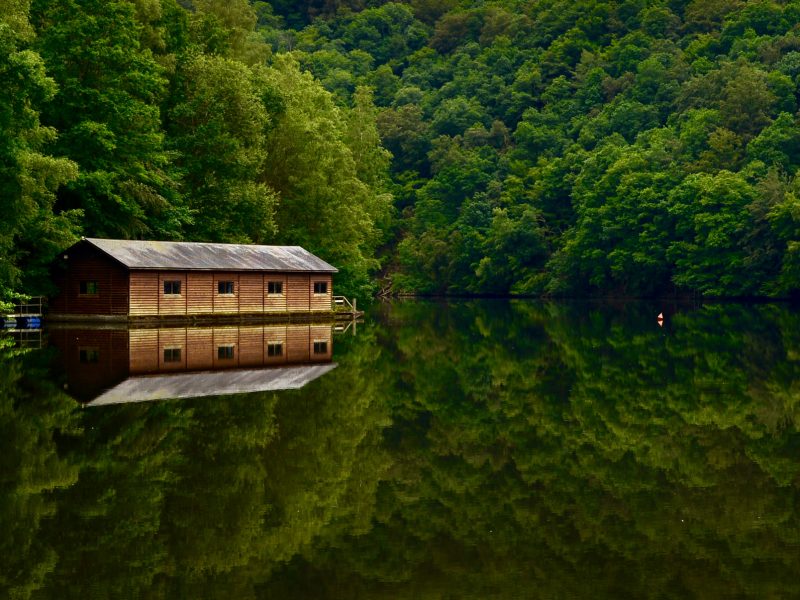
[137, 254]
[211, 383]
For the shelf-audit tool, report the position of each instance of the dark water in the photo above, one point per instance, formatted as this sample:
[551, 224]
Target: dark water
[476, 450]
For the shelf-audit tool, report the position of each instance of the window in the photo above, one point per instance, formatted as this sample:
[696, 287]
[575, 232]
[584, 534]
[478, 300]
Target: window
[172, 355]
[224, 287]
[320, 287]
[88, 288]
[275, 349]
[320, 347]
[89, 355]
[172, 288]
[224, 352]
[275, 288]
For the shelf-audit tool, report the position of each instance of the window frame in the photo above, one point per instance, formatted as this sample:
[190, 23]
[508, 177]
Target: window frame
[88, 355]
[173, 357]
[229, 284]
[84, 287]
[274, 349]
[172, 283]
[224, 350]
[323, 285]
[320, 347]
[271, 285]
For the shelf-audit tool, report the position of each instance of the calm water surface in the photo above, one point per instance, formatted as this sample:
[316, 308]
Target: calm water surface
[470, 450]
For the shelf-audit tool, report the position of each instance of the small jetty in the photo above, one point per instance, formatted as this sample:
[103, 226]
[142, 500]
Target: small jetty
[24, 322]
[25, 315]
[344, 309]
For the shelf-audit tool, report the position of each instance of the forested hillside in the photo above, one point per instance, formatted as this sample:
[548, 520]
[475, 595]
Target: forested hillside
[637, 147]
[558, 147]
[155, 119]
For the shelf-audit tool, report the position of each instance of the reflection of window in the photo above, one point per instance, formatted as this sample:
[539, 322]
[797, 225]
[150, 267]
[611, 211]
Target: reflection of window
[172, 287]
[320, 287]
[89, 355]
[275, 288]
[88, 288]
[224, 352]
[224, 287]
[275, 349]
[320, 347]
[172, 355]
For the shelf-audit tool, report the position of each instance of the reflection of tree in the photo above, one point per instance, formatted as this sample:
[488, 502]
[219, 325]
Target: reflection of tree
[33, 413]
[205, 497]
[472, 450]
[546, 451]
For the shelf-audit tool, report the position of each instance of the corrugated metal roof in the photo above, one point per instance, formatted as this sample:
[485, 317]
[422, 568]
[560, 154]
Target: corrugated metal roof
[137, 254]
[211, 383]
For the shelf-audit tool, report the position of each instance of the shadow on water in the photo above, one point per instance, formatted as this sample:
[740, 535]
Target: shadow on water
[464, 450]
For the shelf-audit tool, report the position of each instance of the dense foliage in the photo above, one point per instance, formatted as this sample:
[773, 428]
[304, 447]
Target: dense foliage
[628, 147]
[562, 147]
[166, 120]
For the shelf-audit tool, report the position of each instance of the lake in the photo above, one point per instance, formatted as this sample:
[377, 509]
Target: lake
[472, 449]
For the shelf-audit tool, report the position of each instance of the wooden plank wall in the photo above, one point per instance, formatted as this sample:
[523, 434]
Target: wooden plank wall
[86, 264]
[199, 347]
[85, 380]
[145, 294]
[320, 302]
[172, 304]
[319, 333]
[226, 303]
[276, 303]
[252, 291]
[297, 293]
[199, 293]
[201, 343]
[276, 335]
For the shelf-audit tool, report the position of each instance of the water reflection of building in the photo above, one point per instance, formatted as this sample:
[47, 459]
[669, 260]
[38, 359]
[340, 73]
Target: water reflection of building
[107, 366]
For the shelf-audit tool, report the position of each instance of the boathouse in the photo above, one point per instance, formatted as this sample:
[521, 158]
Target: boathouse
[127, 279]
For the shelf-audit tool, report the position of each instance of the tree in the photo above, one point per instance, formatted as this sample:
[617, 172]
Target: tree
[218, 124]
[778, 144]
[108, 118]
[325, 205]
[712, 220]
[31, 231]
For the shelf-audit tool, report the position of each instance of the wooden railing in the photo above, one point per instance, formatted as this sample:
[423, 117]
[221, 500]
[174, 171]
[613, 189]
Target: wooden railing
[32, 307]
[340, 303]
[28, 338]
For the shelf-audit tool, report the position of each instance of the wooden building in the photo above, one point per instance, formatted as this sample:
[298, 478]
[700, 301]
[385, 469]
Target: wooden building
[129, 365]
[138, 279]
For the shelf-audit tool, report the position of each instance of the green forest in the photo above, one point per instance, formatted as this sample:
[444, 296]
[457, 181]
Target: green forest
[515, 147]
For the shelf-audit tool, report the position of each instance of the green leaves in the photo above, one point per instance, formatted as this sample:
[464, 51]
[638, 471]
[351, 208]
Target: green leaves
[108, 117]
[615, 114]
[712, 221]
[30, 232]
[166, 123]
[217, 125]
[329, 169]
